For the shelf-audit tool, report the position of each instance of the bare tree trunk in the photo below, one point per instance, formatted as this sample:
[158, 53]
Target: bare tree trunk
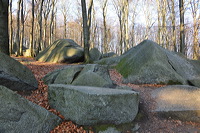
[11, 28]
[194, 6]
[22, 29]
[40, 25]
[182, 32]
[164, 40]
[51, 29]
[119, 10]
[121, 37]
[105, 42]
[32, 29]
[126, 14]
[4, 37]
[159, 23]
[55, 28]
[18, 28]
[93, 29]
[133, 7]
[86, 26]
[173, 19]
[65, 27]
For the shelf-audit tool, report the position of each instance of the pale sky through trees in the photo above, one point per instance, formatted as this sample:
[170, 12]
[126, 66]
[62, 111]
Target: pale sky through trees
[111, 14]
[142, 22]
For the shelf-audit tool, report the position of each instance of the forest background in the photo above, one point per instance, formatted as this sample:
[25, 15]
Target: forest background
[116, 25]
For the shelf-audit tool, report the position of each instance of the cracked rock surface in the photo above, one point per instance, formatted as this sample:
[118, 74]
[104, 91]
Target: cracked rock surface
[18, 115]
[149, 63]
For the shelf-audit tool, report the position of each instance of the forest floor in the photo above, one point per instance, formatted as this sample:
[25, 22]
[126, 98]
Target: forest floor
[147, 121]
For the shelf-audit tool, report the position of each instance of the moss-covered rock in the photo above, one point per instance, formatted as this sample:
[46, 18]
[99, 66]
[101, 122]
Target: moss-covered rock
[149, 63]
[62, 51]
[86, 75]
[95, 54]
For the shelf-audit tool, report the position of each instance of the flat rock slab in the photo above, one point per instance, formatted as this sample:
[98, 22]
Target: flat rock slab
[18, 115]
[94, 105]
[16, 76]
[179, 102]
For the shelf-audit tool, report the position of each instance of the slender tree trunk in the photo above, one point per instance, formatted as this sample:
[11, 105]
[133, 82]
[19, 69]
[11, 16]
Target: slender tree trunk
[164, 39]
[45, 33]
[22, 30]
[55, 28]
[105, 42]
[65, 26]
[51, 31]
[121, 37]
[32, 29]
[4, 37]
[194, 6]
[18, 28]
[173, 17]
[11, 29]
[40, 25]
[182, 29]
[86, 26]
[126, 14]
[159, 23]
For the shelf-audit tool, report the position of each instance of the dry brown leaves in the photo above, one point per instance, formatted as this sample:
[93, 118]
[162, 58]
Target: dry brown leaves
[150, 123]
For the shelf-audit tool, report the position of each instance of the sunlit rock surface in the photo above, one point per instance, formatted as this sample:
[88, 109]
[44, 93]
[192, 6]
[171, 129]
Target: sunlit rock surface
[62, 51]
[178, 101]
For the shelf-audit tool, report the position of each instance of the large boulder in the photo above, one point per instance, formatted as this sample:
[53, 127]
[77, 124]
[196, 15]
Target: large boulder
[94, 75]
[178, 102]
[18, 115]
[62, 51]
[95, 54]
[86, 75]
[110, 61]
[149, 63]
[109, 54]
[93, 105]
[16, 76]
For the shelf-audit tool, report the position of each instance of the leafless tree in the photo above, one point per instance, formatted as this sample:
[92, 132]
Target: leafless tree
[86, 26]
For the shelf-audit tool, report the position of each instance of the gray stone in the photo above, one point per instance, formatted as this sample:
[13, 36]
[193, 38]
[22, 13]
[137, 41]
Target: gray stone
[65, 75]
[62, 51]
[18, 115]
[110, 54]
[111, 61]
[68, 74]
[50, 77]
[95, 54]
[178, 102]
[93, 105]
[16, 76]
[91, 79]
[94, 75]
[87, 75]
[149, 63]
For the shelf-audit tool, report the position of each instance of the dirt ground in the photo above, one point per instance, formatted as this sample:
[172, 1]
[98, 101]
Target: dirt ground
[146, 121]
